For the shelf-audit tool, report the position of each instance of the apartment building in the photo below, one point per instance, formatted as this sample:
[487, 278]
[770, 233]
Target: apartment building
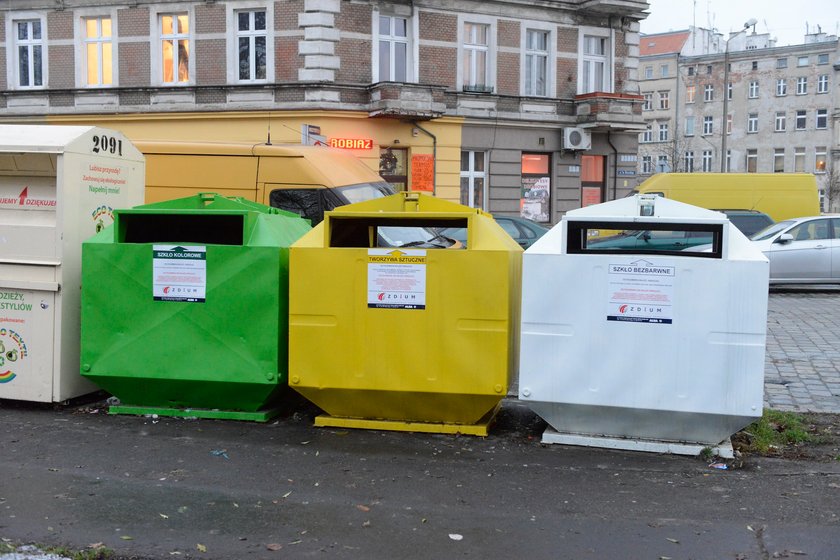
[507, 105]
[781, 105]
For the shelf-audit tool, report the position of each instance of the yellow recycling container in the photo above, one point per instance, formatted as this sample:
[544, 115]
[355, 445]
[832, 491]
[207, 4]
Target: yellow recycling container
[393, 325]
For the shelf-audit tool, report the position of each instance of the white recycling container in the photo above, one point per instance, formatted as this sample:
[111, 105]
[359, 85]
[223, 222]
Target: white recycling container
[644, 324]
[58, 186]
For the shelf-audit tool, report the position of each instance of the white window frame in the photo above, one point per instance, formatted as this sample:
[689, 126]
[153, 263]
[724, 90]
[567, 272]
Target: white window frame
[156, 49]
[752, 155]
[412, 65]
[690, 93]
[752, 123]
[780, 121]
[608, 59]
[802, 60]
[471, 174]
[753, 90]
[12, 76]
[664, 100]
[820, 151]
[648, 72]
[707, 161]
[799, 160]
[233, 35]
[729, 119]
[664, 70]
[781, 87]
[663, 132]
[822, 83]
[550, 57]
[648, 101]
[662, 163]
[708, 125]
[688, 161]
[778, 160]
[708, 92]
[800, 120]
[647, 165]
[821, 114]
[492, 49]
[801, 85]
[647, 135]
[81, 46]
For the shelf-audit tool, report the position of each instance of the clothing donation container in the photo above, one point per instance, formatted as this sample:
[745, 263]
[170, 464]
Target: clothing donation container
[58, 186]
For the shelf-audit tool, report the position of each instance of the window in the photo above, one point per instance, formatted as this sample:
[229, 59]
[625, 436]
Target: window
[822, 83]
[801, 85]
[752, 160]
[647, 165]
[728, 161]
[473, 179]
[475, 53]
[753, 90]
[663, 100]
[252, 46]
[802, 61]
[98, 51]
[707, 161]
[647, 135]
[729, 123]
[595, 67]
[393, 49]
[536, 62]
[691, 70]
[689, 94]
[799, 160]
[752, 122]
[729, 90]
[781, 87]
[708, 125]
[801, 120]
[781, 63]
[780, 122]
[663, 71]
[822, 119]
[648, 72]
[663, 132]
[708, 92]
[535, 199]
[689, 162]
[175, 48]
[29, 53]
[754, 62]
[648, 104]
[662, 164]
[709, 69]
[822, 58]
[689, 126]
[819, 159]
[779, 160]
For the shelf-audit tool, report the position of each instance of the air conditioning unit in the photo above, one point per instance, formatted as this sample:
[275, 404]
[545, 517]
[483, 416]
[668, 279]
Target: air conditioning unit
[576, 139]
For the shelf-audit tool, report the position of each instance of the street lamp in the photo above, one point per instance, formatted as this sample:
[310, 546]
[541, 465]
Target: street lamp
[750, 22]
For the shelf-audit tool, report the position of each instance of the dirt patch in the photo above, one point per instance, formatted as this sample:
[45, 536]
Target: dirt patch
[823, 445]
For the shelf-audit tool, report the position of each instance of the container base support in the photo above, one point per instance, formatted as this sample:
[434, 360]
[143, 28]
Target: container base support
[723, 449]
[480, 428]
[258, 416]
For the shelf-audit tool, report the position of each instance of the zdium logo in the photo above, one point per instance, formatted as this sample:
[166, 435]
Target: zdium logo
[622, 309]
[166, 290]
[381, 296]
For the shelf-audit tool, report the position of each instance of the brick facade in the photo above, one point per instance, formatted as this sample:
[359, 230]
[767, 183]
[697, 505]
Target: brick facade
[210, 62]
[567, 40]
[437, 65]
[133, 22]
[354, 18]
[509, 33]
[508, 73]
[60, 25]
[134, 64]
[62, 68]
[210, 18]
[286, 60]
[286, 15]
[355, 61]
[438, 27]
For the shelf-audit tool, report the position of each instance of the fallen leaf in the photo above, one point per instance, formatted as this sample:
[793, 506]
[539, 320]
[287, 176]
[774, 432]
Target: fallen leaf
[201, 547]
[287, 494]
[366, 524]
[675, 541]
[96, 545]
[456, 537]
[235, 505]
[274, 546]
[361, 507]
[164, 515]
[127, 538]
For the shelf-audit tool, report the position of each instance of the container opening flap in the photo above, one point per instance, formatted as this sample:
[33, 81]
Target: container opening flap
[645, 238]
[210, 229]
[370, 232]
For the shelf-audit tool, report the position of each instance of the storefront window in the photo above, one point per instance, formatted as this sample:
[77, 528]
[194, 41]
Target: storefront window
[392, 167]
[536, 187]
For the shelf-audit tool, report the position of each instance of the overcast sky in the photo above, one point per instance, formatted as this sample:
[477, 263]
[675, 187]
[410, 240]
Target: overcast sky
[783, 19]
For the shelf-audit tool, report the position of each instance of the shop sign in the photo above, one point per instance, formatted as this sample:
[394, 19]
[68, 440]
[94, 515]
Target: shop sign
[352, 143]
[423, 172]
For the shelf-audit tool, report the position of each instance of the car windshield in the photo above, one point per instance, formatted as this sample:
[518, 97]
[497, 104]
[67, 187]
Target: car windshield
[772, 230]
[365, 191]
[412, 236]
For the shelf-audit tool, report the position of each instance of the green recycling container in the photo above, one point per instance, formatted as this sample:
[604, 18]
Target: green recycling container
[185, 307]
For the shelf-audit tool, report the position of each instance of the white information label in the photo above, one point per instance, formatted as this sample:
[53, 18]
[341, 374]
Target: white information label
[641, 292]
[396, 278]
[179, 273]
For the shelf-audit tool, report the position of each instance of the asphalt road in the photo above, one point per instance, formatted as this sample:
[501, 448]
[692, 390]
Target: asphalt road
[174, 488]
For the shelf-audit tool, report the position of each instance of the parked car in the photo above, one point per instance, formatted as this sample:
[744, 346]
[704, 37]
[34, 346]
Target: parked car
[646, 240]
[803, 250]
[749, 222]
[522, 230]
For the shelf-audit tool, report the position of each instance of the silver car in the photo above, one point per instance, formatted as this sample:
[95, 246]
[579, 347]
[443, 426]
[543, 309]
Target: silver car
[803, 250]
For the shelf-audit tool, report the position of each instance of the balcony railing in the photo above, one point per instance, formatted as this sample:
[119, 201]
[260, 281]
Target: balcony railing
[401, 100]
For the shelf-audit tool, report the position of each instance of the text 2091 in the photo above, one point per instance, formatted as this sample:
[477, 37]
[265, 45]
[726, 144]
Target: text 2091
[106, 143]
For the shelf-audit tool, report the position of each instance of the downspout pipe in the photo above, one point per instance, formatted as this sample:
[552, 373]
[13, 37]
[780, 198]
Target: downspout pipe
[434, 155]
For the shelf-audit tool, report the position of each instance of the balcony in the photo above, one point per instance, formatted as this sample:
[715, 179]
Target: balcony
[406, 101]
[617, 111]
[632, 8]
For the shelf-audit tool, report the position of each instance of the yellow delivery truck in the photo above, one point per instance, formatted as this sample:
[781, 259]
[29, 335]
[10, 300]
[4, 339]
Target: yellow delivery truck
[307, 180]
[779, 195]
